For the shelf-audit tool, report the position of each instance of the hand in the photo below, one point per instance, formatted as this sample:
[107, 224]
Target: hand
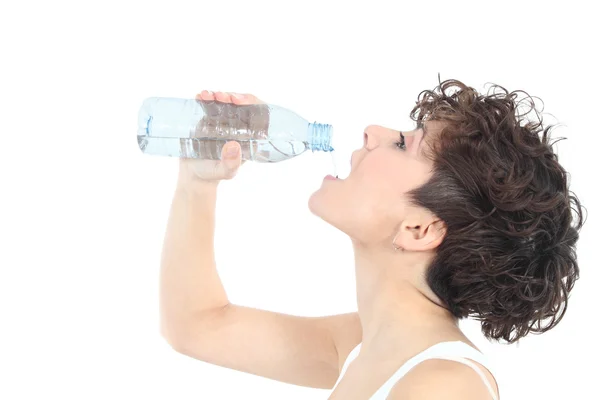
[191, 170]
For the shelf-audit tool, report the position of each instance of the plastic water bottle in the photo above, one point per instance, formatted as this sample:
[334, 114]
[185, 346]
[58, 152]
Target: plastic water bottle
[190, 128]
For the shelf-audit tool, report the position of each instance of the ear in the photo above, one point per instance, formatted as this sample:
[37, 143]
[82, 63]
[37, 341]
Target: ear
[420, 234]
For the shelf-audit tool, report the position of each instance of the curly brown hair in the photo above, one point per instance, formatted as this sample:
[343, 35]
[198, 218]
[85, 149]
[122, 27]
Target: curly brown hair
[508, 258]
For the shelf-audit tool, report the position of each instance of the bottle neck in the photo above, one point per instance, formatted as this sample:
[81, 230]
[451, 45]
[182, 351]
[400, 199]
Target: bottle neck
[319, 137]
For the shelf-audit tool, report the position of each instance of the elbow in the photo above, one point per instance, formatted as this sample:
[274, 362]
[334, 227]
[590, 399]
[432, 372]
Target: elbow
[178, 333]
[173, 337]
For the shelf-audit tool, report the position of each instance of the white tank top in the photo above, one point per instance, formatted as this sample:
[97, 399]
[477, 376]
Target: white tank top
[454, 351]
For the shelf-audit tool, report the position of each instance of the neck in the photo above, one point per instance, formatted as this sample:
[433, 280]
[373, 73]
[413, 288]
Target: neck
[394, 302]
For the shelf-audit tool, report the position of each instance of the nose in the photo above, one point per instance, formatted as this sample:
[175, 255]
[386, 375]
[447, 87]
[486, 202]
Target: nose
[373, 134]
[370, 137]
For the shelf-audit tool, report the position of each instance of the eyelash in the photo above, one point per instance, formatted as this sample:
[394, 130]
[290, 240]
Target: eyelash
[401, 144]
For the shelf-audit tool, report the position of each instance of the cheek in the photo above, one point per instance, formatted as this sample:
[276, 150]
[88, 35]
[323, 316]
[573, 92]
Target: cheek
[379, 192]
[383, 179]
[371, 212]
[376, 191]
[364, 206]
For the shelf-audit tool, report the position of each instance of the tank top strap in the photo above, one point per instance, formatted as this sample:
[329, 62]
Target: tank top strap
[453, 351]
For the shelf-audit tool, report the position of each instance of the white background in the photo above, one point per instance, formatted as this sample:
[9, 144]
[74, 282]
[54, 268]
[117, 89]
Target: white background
[83, 212]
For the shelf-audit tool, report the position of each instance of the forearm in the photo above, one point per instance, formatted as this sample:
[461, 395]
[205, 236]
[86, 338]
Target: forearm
[189, 282]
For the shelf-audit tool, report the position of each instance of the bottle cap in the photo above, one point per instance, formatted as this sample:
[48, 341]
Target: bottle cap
[320, 137]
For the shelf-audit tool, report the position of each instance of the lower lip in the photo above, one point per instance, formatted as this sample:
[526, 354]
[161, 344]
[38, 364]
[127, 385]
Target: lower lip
[330, 178]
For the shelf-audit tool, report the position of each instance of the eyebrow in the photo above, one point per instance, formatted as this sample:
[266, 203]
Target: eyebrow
[422, 126]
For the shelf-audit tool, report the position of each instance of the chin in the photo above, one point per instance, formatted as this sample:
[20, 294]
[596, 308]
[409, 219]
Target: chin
[324, 208]
[315, 204]
[322, 201]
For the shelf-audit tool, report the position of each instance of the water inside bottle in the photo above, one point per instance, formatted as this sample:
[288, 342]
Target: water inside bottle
[210, 148]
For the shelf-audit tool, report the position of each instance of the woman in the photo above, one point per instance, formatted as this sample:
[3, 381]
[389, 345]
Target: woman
[468, 214]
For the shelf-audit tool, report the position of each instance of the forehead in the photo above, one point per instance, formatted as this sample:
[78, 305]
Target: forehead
[418, 139]
[429, 135]
[432, 128]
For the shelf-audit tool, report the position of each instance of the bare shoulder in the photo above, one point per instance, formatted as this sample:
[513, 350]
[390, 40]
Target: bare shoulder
[347, 334]
[437, 379]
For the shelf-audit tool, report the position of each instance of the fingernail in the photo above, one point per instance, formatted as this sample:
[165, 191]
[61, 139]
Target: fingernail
[232, 152]
[238, 96]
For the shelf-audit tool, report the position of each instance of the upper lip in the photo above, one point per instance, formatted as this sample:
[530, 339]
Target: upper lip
[352, 160]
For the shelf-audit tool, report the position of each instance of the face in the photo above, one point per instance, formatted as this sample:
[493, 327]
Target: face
[371, 202]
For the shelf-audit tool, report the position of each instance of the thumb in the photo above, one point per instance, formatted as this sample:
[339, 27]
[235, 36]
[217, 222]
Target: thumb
[230, 159]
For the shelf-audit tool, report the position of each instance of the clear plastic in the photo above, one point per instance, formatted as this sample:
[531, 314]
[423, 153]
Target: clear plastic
[189, 128]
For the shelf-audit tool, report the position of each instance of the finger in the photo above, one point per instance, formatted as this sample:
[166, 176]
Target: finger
[206, 95]
[244, 98]
[222, 97]
[231, 152]
[238, 98]
[231, 160]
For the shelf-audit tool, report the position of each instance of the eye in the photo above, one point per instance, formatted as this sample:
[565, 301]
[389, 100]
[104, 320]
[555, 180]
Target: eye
[401, 144]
